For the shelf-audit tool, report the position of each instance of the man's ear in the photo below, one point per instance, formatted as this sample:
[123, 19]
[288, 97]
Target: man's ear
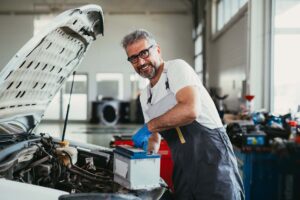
[158, 49]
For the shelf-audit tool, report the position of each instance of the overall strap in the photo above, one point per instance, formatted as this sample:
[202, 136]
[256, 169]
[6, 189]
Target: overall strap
[180, 135]
[166, 84]
[167, 80]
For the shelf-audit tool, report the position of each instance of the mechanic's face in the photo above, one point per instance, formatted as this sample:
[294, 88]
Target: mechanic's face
[144, 57]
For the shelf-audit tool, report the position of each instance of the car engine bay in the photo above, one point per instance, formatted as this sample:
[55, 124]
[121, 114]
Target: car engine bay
[40, 163]
[41, 160]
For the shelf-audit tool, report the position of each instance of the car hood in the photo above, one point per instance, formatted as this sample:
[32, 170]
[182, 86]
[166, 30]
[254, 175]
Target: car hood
[30, 80]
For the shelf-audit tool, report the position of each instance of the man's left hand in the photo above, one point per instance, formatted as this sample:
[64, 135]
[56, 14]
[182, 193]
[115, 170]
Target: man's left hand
[140, 138]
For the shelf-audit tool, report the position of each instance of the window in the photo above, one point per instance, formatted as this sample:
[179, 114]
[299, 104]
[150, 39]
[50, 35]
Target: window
[109, 85]
[220, 15]
[223, 11]
[199, 52]
[286, 81]
[79, 98]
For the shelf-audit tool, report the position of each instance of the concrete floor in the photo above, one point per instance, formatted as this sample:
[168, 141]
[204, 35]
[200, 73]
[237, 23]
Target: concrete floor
[87, 133]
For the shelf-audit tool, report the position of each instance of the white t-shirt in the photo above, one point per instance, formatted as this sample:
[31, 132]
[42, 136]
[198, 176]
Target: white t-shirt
[180, 74]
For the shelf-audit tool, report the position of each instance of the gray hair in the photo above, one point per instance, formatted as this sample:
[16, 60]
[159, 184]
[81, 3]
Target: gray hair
[136, 36]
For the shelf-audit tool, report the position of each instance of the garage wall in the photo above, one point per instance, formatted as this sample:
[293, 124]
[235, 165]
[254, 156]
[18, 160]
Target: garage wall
[227, 61]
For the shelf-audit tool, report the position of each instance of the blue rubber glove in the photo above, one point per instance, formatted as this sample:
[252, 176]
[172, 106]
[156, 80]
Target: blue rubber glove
[140, 138]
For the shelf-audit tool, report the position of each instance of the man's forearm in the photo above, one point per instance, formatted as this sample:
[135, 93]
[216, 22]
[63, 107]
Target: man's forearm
[179, 115]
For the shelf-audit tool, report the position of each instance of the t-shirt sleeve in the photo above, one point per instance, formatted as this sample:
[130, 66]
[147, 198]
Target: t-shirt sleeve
[181, 74]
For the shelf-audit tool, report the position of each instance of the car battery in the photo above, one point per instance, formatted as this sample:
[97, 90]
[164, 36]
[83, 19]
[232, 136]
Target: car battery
[135, 169]
[166, 163]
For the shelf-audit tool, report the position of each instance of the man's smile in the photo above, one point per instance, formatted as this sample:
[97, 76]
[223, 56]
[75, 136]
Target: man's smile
[146, 68]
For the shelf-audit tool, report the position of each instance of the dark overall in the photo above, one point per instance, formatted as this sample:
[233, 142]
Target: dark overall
[205, 167]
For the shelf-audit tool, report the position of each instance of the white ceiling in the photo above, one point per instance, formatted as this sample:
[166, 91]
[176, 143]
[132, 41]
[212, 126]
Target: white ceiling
[108, 6]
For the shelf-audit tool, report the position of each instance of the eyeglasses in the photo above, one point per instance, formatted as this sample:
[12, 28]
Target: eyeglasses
[142, 54]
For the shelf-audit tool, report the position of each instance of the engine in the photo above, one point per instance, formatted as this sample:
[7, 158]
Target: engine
[44, 162]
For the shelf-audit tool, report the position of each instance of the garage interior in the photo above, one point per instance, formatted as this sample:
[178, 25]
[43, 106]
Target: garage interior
[243, 51]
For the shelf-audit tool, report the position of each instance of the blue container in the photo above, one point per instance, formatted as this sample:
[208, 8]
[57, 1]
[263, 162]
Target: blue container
[260, 175]
[289, 175]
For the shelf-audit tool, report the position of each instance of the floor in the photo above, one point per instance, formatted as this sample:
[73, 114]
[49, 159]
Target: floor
[87, 133]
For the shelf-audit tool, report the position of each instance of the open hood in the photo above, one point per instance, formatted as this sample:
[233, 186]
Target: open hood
[30, 80]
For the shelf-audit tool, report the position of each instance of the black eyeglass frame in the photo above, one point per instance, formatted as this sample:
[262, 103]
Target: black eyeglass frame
[142, 54]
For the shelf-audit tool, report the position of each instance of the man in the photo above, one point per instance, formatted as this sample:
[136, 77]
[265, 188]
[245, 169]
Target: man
[177, 106]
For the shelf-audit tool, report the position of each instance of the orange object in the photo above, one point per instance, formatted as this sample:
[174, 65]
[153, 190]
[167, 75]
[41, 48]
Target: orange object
[64, 143]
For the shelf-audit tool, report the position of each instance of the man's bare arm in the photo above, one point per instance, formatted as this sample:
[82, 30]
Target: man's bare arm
[184, 112]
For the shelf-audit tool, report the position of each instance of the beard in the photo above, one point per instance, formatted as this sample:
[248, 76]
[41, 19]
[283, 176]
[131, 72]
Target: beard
[149, 70]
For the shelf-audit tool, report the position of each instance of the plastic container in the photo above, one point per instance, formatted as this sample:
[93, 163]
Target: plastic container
[71, 151]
